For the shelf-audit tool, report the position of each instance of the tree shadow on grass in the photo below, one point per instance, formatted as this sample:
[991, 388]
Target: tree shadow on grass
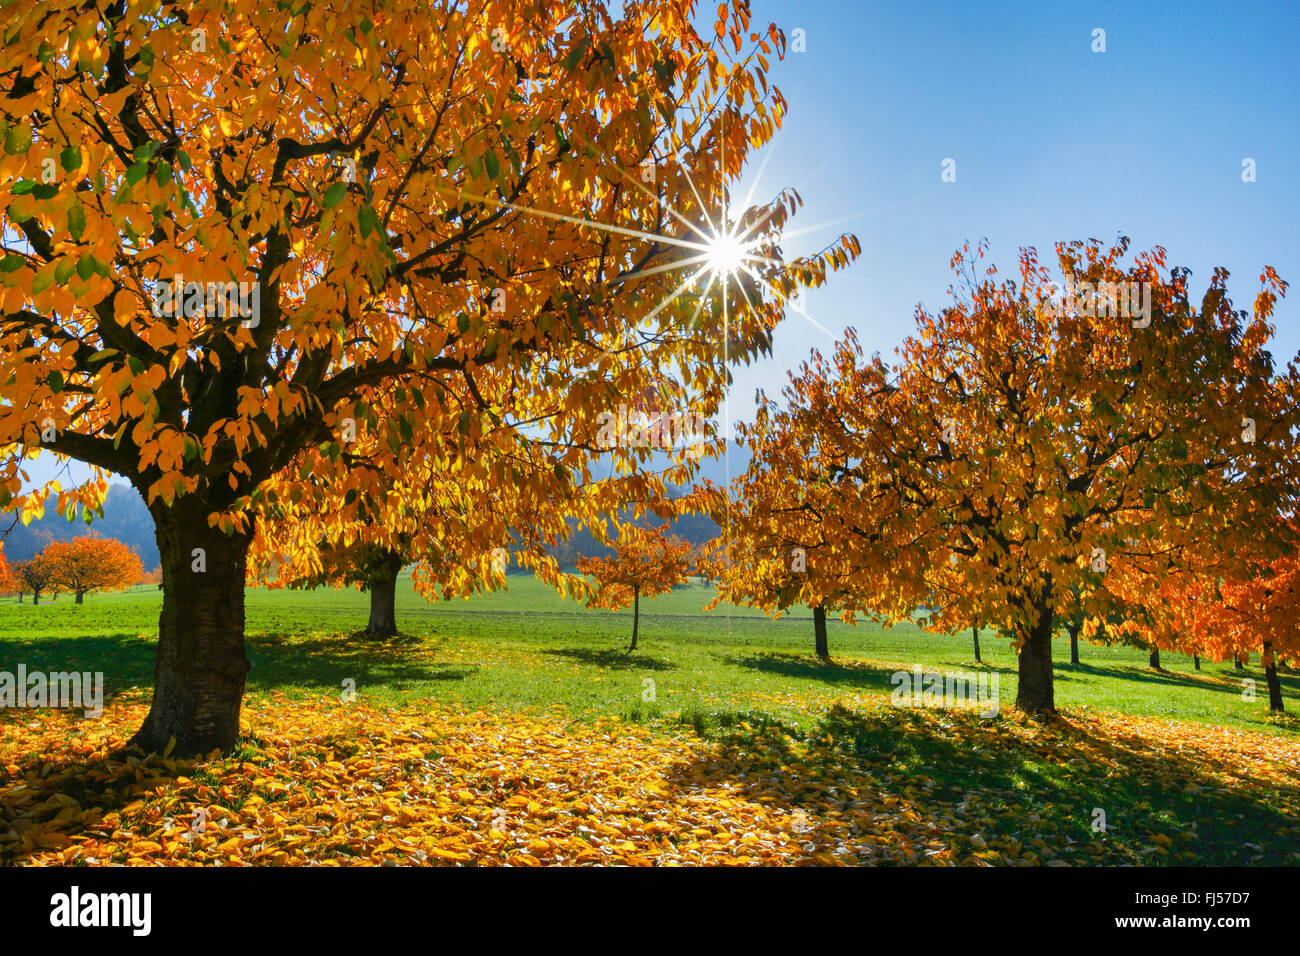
[858, 674]
[125, 660]
[1204, 680]
[936, 778]
[328, 660]
[614, 660]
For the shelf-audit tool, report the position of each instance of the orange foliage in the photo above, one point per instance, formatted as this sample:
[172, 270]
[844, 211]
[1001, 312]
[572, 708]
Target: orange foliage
[92, 563]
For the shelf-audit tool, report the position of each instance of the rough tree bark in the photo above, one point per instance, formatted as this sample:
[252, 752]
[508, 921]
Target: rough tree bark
[1270, 677]
[1035, 693]
[819, 633]
[200, 666]
[383, 596]
[1154, 659]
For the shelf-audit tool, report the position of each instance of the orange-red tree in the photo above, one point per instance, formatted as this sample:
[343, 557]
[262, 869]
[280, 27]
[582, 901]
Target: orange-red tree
[1025, 443]
[240, 220]
[645, 561]
[92, 563]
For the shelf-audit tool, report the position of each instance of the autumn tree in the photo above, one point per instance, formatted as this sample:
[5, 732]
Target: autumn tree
[1033, 434]
[228, 224]
[645, 561]
[35, 575]
[92, 563]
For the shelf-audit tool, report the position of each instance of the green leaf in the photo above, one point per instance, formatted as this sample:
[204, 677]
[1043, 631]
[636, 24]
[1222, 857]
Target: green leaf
[45, 190]
[44, 278]
[368, 220]
[56, 382]
[12, 263]
[64, 269]
[493, 164]
[575, 55]
[70, 159]
[136, 172]
[86, 266]
[334, 195]
[183, 158]
[18, 140]
[23, 187]
[76, 220]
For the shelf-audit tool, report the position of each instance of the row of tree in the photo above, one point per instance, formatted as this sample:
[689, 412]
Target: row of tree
[1032, 462]
[80, 566]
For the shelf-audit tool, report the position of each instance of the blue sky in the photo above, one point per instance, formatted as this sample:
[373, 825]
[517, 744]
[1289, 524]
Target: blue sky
[1051, 141]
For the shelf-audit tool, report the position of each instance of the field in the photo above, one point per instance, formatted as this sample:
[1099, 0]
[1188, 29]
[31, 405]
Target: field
[514, 728]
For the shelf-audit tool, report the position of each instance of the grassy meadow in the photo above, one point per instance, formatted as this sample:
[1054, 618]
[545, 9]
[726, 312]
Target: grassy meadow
[513, 728]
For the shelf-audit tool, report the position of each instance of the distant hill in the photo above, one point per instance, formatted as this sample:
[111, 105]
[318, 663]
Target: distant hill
[125, 518]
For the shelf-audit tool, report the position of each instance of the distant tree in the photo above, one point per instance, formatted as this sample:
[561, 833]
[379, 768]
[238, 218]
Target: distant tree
[645, 561]
[34, 575]
[92, 563]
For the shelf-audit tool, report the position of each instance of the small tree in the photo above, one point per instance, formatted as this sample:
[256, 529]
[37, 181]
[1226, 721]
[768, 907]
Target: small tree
[34, 575]
[645, 561]
[92, 563]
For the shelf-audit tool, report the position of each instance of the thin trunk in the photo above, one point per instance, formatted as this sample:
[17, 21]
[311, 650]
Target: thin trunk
[636, 616]
[1035, 693]
[1237, 663]
[200, 667]
[819, 633]
[976, 632]
[383, 597]
[1196, 661]
[36, 597]
[1074, 627]
[1270, 676]
[1154, 659]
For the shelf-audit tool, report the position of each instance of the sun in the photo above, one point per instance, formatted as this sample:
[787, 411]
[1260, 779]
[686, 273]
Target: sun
[725, 254]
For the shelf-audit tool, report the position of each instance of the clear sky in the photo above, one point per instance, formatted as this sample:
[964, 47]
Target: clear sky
[1051, 141]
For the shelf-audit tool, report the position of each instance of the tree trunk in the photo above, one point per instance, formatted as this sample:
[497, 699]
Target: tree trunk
[636, 616]
[976, 632]
[80, 596]
[1196, 661]
[36, 597]
[200, 666]
[1270, 676]
[1074, 629]
[383, 596]
[819, 633]
[1035, 693]
[1154, 659]
[1237, 663]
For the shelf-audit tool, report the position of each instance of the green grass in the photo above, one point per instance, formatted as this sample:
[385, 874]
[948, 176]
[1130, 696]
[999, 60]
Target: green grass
[527, 647]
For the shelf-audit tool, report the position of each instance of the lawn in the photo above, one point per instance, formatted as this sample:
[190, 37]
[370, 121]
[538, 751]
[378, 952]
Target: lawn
[514, 728]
